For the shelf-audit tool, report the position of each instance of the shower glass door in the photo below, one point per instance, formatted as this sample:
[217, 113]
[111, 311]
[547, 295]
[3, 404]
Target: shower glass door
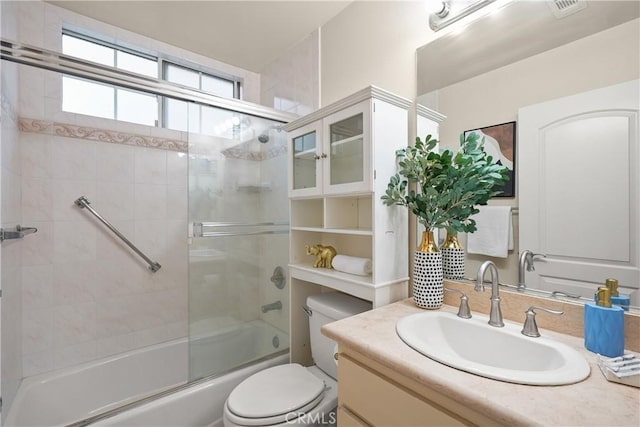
[238, 252]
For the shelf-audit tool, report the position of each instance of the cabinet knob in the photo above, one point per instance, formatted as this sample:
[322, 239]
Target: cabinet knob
[316, 157]
[324, 156]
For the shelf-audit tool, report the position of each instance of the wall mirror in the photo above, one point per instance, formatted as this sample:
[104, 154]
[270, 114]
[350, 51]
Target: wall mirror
[522, 54]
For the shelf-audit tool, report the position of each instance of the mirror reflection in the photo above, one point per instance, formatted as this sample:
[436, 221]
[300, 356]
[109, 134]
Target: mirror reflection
[576, 204]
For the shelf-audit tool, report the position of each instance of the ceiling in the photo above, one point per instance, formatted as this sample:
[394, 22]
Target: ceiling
[518, 30]
[247, 34]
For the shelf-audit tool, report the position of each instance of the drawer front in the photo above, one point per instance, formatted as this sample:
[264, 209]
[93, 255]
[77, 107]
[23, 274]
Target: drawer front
[346, 418]
[382, 403]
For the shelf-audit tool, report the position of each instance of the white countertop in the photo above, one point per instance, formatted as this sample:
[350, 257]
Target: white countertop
[592, 402]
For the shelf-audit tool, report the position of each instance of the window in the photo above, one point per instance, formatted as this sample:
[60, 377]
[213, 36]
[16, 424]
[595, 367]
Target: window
[103, 100]
[191, 117]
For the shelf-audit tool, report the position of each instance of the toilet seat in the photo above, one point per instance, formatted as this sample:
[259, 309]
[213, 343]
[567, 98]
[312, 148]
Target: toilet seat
[273, 395]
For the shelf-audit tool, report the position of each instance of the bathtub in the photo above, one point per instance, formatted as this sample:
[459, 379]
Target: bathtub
[73, 394]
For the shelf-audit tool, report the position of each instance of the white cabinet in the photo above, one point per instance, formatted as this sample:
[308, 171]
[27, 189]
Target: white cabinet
[332, 155]
[341, 159]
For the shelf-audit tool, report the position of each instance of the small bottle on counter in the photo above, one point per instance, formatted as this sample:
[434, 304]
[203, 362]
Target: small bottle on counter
[616, 297]
[604, 325]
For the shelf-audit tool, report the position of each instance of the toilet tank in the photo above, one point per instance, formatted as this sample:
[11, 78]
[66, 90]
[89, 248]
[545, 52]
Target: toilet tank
[327, 308]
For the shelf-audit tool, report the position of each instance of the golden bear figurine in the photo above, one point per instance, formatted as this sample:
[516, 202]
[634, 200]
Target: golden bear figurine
[324, 255]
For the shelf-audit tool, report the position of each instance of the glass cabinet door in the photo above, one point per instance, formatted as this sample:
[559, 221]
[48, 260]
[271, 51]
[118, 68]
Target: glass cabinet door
[346, 145]
[347, 150]
[305, 161]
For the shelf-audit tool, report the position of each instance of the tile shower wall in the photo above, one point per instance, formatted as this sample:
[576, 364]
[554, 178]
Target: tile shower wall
[85, 295]
[10, 216]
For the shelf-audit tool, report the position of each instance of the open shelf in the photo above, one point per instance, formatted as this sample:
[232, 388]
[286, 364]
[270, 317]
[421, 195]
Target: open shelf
[306, 154]
[348, 146]
[360, 286]
[331, 274]
[354, 231]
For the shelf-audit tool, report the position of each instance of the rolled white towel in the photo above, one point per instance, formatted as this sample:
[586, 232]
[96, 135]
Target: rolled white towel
[352, 265]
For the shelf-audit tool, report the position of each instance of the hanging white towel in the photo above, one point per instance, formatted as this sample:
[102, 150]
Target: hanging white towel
[352, 265]
[494, 234]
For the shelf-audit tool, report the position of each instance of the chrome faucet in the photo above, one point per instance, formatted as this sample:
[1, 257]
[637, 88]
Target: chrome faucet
[495, 315]
[526, 261]
[273, 306]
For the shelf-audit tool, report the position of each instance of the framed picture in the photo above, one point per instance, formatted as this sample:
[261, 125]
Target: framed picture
[500, 143]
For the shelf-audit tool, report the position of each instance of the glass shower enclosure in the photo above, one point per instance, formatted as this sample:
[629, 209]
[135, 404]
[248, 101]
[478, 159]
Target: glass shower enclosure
[202, 193]
[238, 253]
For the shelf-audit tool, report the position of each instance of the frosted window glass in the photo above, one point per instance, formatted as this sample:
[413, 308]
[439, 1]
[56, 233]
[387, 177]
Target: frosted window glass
[183, 76]
[90, 51]
[137, 107]
[83, 97]
[137, 64]
[194, 118]
[217, 86]
[176, 115]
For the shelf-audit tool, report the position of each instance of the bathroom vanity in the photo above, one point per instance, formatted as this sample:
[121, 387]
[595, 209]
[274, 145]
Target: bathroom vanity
[385, 382]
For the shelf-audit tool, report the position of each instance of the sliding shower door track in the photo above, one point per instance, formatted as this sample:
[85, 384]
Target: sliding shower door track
[137, 403]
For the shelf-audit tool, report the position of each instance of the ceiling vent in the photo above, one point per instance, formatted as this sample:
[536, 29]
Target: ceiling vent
[562, 8]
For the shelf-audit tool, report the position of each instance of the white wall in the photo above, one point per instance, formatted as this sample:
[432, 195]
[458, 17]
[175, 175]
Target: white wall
[291, 82]
[372, 43]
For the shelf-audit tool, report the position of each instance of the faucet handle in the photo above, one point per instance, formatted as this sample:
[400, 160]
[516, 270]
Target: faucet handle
[530, 327]
[530, 257]
[463, 310]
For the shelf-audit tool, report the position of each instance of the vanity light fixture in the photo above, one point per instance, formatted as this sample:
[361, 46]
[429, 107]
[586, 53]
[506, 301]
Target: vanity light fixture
[454, 10]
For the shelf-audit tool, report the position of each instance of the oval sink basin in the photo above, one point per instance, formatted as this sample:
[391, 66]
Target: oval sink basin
[504, 354]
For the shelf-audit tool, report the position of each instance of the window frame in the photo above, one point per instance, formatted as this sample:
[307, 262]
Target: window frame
[163, 62]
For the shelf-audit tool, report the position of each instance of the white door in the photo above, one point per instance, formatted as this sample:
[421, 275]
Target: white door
[579, 189]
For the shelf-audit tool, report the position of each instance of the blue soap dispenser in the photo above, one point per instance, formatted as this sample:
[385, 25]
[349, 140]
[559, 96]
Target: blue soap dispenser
[617, 299]
[604, 325]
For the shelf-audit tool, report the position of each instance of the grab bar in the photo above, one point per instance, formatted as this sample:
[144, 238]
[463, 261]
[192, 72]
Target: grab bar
[82, 203]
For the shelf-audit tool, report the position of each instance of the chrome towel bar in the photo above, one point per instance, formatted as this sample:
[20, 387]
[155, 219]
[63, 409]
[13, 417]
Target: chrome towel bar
[226, 229]
[83, 203]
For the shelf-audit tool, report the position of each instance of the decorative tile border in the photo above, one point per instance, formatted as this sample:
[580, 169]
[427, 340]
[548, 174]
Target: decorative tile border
[241, 153]
[100, 135]
[116, 137]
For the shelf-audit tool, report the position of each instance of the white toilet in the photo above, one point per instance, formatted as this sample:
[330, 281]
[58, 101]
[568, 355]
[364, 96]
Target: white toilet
[291, 394]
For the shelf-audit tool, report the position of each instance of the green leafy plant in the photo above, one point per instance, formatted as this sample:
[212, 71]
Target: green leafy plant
[443, 188]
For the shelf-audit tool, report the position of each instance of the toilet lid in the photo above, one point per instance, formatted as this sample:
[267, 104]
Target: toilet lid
[276, 391]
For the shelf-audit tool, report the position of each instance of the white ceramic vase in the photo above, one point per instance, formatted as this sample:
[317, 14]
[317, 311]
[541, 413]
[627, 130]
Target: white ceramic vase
[452, 258]
[428, 289]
